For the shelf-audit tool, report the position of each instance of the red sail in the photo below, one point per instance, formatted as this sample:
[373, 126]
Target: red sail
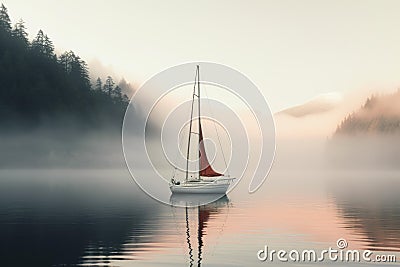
[205, 167]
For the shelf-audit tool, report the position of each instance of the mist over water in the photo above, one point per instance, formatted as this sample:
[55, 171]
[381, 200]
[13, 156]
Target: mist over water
[61, 149]
[67, 198]
[91, 212]
[364, 152]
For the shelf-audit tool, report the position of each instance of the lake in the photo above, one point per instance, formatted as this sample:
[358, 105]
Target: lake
[101, 218]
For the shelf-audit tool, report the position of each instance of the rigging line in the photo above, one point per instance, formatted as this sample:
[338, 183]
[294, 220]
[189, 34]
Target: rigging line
[177, 153]
[215, 127]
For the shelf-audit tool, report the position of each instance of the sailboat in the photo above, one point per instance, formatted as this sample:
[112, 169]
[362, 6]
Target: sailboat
[208, 181]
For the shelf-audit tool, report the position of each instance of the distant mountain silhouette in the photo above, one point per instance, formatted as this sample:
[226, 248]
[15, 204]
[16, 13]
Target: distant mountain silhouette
[39, 87]
[379, 115]
[320, 104]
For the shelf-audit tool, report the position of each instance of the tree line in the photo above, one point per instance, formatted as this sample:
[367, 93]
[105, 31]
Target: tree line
[38, 85]
[378, 115]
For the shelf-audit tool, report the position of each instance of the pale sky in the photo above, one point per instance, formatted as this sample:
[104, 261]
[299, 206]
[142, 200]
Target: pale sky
[293, 50]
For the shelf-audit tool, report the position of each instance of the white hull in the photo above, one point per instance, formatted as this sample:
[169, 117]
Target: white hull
[219, 186]
[206, 189]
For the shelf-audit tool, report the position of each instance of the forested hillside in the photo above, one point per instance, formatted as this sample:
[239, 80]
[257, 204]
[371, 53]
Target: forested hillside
[38, 87]
[379, 115]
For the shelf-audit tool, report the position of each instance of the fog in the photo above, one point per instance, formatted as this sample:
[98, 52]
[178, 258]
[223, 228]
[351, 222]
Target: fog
[346, 153]
[318, 186]
[103, 149]
[319, 117]
[61, 148]
[304, 142]
[364, 152]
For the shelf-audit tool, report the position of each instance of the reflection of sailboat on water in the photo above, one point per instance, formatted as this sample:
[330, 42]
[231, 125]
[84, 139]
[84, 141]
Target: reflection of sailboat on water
[204, 213]
[208, 180]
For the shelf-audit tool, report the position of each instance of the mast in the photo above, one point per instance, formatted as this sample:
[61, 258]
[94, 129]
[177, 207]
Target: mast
[198, 97]
[190, 124]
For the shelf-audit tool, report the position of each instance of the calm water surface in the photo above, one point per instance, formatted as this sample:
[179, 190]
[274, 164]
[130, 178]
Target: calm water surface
[101, 218]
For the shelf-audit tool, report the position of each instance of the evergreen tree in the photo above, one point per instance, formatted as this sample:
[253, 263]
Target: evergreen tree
[108, 85]
[65, 61]
[99, 85]
[117, 93]
[43, 45]
[38, 43]
[5, 22]
[125, 99]
[19, 31]
[76, 68]
[79, 72]
[48, 47]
